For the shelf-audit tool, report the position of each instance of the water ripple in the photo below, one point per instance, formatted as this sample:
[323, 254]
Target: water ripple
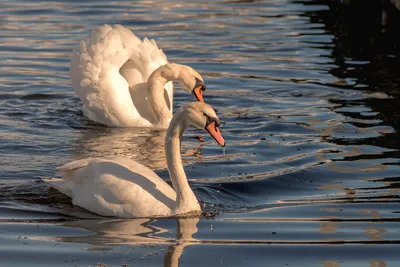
[309, 111]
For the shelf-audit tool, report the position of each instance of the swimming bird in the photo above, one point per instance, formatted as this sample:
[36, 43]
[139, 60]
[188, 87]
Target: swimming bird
[124, 81]
[120, 187]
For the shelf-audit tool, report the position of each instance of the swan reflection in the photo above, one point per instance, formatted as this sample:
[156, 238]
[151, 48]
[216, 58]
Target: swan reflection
[135, 232]
[143, 145]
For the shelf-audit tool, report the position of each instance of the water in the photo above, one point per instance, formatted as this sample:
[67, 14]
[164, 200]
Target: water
[308, 95]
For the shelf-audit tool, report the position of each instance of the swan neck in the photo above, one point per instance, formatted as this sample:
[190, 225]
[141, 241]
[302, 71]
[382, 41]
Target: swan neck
[162, 112]
[158, 98]
[186, 201]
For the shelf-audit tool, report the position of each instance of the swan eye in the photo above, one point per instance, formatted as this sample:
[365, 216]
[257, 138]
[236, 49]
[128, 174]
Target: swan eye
[211, 120]
[207, 118]
[200, 83]
[217, 123]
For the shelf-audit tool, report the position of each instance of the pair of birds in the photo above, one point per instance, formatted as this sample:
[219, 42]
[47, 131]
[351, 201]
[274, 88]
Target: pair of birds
[126, 82]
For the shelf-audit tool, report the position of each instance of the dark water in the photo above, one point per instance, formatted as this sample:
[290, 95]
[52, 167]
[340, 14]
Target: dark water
[308, 91]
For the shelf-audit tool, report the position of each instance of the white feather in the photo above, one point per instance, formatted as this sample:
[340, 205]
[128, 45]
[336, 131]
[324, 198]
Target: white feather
[114, 186]
[118, 186]
[109, 71]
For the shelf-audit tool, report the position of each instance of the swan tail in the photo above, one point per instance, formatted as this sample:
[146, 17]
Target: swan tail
[72, 175]
[69, 168]
[64, 186]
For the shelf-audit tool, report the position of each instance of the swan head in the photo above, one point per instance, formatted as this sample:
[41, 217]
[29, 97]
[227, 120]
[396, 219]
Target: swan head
[203, 116]
[191, 81]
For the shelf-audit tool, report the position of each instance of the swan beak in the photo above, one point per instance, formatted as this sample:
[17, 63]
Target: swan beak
[198, 93]
[214, 131]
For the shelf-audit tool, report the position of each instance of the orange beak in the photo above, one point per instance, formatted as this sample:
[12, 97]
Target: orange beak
[198, 93]
[214, 131]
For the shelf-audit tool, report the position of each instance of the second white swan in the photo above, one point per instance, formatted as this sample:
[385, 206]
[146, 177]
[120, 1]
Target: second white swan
[120, 187]
[123, 81]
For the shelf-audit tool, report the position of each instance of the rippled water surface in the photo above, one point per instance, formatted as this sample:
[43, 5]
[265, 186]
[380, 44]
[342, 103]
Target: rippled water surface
[307, 90]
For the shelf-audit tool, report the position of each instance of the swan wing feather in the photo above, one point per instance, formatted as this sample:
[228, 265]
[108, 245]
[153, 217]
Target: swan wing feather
[115, 186]
[144, 60]
[95, 76]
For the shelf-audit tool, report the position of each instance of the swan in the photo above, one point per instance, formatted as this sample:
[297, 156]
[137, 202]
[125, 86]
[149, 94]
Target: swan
[120, 79]
[120, 187]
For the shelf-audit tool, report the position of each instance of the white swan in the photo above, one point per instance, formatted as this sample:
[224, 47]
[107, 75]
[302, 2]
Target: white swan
[118, 186]
[120, 79]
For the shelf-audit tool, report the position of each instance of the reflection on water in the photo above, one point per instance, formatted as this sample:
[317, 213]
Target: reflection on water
[145, 146]
[135, 232]
[185, 229]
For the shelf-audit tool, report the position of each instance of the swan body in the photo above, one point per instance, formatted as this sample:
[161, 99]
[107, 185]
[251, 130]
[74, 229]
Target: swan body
[115, 186]
[124, 81]
[118, 186]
